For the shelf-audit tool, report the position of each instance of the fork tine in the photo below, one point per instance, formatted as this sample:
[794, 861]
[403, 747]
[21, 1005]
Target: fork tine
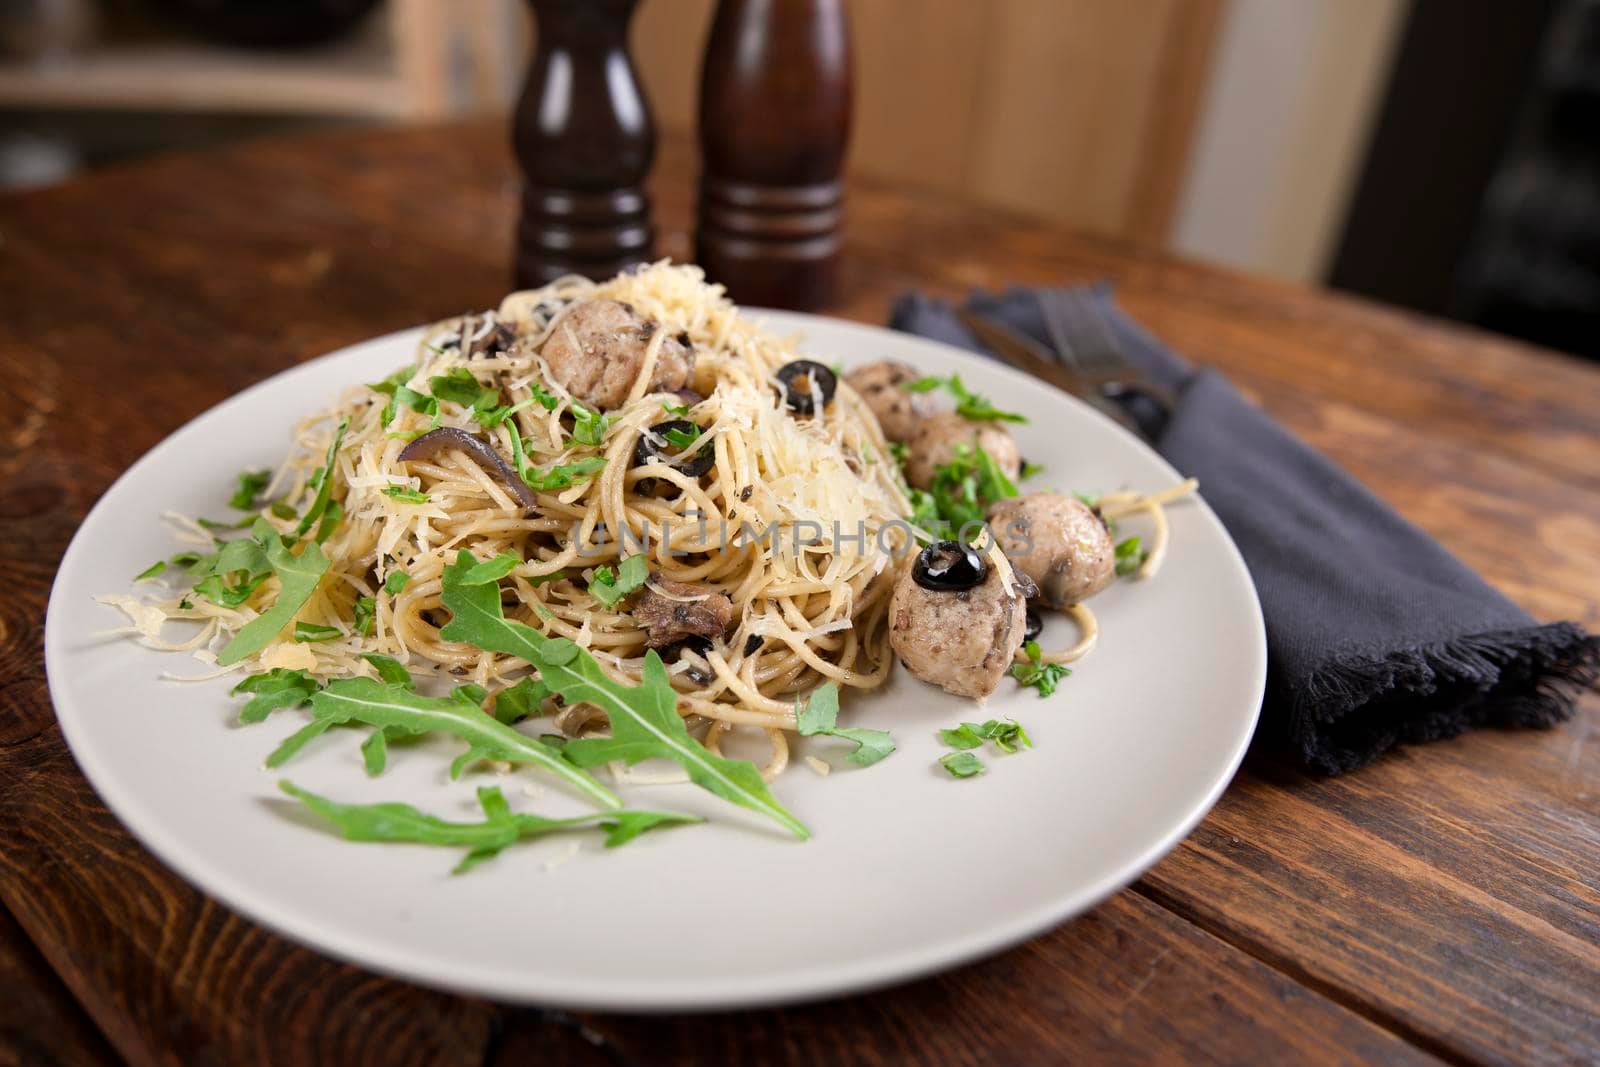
[1098, 348]
[1060, 332]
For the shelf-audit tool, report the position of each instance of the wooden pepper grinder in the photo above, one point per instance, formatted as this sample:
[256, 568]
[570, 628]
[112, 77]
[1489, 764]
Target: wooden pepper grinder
[585, 141]
[774, 122]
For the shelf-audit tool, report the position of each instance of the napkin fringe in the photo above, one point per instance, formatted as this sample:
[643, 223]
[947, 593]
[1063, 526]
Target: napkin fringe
[1342, 716]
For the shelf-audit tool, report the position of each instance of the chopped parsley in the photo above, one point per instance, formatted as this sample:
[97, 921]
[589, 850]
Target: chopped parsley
[405, 495]
[308, 632]
[322, 483]
[366, 615]
[460, 387]
[391, 670]
[395, 582]
[493, 570]
[1029, 470]
[1038, 674]
[969, 405]
[284, 511]
[610, 586]
[1130, 556]
[675, 409]
[961, 764]
[680, 439]
[151, 571]
[490, 417]
[900, 451]
[563, 475]
[961, 494]
[547, 400]
[251, 483]
[521, 701]
[589, 427]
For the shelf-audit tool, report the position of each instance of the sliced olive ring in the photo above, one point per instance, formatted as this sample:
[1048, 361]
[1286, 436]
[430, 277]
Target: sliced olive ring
[697, 462]
[949, 566]
[1032, 625]
[801, 379]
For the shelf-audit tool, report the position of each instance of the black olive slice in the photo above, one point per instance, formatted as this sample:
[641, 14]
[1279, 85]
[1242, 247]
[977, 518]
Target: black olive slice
[697, 462]
[1032, 625]
[949, 566]
[799, 378]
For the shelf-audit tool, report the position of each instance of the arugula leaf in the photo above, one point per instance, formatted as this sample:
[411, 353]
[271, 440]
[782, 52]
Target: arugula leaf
[1029, 470]
[306, 633]
[274, 689]
[609, 586]
[421, 403]
[284, 511]
[395, 582]
[394, 381]
[244, 557]
[492, 571]
[900, 451]
[969, 405]
[520, 701]
[644, 718]
[471, 694]
[251, 483]
[366, 615]
[322, 482]
[405, 495]
[216, 527]
[375, 752]
[675, 409]
[961, 764]
[216, 590]
[821, 713]
[461, 387]
[151, 571]
[399, 710]
[1130, 556]
[1036, 673]
[391, 670]
[297, 577]
[589, 427]
[500, 828]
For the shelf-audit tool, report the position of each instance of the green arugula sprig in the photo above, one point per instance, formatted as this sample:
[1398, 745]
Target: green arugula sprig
[819, 718]
[297, 580]
[969, 405]
[644, 719]
[405, 494]
[250, 485]
[500, 828]
[1006, 734]
[1130, 556]
[322, 483]
[1036, 673]
[961, 764]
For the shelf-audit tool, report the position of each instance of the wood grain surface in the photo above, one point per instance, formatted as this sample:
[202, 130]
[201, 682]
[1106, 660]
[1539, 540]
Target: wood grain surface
[1438, 905]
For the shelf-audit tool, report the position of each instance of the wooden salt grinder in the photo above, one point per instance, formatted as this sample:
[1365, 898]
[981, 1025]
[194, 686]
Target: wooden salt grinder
[774, 122]
[585, 141]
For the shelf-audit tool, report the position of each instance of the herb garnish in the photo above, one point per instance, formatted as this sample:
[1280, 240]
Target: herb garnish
[644, 719]
[395, 582]
[322, 483]
[297, 577]
[306, 633]
[1038, 674]
[460, 387]
[819, 716]
[1130, 556]
[366, 615]
[961, 494]
[151, 571]
[969, 405]
[961, 764]
[405, 494]
[251, 483]
[520, 701]
[274, 689]
[608, 586]
[589, 427]
[500, 828]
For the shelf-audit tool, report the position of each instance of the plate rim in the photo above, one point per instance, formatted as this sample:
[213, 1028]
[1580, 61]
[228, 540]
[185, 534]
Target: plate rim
[784, 986]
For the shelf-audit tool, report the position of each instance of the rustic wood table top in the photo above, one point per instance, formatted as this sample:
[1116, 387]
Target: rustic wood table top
[1439, 905]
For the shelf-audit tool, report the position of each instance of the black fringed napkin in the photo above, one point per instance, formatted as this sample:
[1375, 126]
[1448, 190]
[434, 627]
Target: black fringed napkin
[1376, 635]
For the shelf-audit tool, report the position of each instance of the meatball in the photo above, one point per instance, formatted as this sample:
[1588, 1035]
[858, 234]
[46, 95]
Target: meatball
[935, 441]
[597, 350]
[699, 611]
[899, 411]
[1059, 542]
[961, 640]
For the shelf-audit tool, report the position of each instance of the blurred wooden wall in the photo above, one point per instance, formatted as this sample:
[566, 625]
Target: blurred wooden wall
[1081, 111]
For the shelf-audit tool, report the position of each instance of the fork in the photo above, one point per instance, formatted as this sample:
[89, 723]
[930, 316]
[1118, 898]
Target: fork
[1084, 342]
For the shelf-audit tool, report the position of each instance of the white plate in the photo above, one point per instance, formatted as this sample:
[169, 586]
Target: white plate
[908, 871]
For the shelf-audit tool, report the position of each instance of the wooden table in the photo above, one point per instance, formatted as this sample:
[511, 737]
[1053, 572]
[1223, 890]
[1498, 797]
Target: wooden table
[1439, 905]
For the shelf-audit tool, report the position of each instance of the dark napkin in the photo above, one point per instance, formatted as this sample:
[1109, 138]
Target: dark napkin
[1376, 635]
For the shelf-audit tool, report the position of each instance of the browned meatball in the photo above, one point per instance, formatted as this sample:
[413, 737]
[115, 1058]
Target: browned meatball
[961, 640]
[1059, 542]
[597, 350]
[899, 411]
[935, 441]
